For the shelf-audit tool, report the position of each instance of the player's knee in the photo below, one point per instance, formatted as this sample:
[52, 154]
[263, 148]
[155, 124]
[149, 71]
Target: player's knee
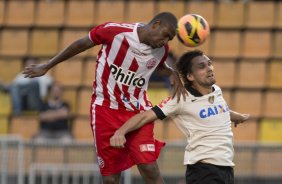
[149, 170]
[113, 179]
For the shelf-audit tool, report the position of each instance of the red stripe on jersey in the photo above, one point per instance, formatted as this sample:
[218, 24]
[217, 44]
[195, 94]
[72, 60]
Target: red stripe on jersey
[133, 67]
[94, 95]
[118, 62]
[105, 80]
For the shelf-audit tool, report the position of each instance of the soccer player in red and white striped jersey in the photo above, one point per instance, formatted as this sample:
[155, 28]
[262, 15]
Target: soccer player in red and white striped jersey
[129, 55]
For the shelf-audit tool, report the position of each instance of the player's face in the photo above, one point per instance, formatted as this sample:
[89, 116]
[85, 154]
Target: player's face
[161, 34]
[202, 72]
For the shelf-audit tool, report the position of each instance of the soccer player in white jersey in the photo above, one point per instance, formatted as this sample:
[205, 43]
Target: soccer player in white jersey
[128, 56]
[205, 119]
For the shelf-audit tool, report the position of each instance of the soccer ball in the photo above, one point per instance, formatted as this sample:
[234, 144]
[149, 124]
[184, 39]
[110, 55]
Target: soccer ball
[192, 30]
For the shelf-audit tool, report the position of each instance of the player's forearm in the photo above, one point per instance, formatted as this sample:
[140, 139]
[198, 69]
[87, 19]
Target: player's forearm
[138, 121]
[75, 48]
[132, 124]
[233, 115]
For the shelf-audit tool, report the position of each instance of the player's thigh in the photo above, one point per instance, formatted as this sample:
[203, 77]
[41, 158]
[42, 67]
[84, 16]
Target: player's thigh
[111, 160]
[142, 145]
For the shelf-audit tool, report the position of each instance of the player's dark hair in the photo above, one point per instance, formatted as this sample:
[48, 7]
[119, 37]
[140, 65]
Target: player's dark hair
[166, 17]
[184, 65]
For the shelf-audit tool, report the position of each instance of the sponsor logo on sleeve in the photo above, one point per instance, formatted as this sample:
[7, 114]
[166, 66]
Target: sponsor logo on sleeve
[147, 147]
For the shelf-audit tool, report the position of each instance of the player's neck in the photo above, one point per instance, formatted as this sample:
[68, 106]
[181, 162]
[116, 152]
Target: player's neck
[141, 32]
[202, 89]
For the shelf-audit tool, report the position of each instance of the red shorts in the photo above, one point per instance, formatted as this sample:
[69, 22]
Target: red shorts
[140, 147]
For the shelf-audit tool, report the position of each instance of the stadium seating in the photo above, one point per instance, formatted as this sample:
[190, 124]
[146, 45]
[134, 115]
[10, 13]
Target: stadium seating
[2, 12]
[228, 96]
[226, 44]
[105, 12]
[14, 42]
[25, 126]
[50, 13]
[270, 131]
[70, 96]
[80, 13]
[136, 11]
[277, 45]
[278, 23]
[20, 13]
[246, 132]
[244, 45]
[84, 96]
[89, 72]
[248, 102]
[69, 73]
[9, 68]
[225, 78]
[230, 15]
[274, 74]
[175, 7]
[81, 128]
[44, 42]
[272, 105]
[6, 105]
[249, 76]
[264, 19]
[4, 125]
[256, 44]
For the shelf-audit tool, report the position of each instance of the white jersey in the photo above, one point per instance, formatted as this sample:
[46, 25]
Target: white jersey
[124, 66]
[205, 120]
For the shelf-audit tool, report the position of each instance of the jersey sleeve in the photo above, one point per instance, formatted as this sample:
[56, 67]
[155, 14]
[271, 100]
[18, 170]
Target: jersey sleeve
[100, 34]
[168, 107]
[105, 33]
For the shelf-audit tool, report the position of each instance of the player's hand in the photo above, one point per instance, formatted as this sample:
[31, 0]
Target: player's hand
[240, 118]
[118, 140]
[178, 87]
[35, 70]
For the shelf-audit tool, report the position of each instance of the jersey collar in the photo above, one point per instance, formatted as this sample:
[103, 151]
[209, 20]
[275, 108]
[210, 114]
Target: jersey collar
[195, 92]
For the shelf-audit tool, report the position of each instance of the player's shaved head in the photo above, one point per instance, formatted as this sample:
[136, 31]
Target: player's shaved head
[165, 17]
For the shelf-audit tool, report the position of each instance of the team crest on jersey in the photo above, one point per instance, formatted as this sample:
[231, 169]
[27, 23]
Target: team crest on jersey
[211, 99]
[151, 63]
[100, 162]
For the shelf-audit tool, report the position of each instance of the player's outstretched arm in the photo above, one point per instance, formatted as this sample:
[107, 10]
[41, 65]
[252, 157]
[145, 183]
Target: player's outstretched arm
[238, 118]
[73, 49]
[118, 139]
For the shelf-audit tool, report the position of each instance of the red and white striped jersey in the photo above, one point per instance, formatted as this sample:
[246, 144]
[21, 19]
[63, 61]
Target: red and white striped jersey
[124, 66]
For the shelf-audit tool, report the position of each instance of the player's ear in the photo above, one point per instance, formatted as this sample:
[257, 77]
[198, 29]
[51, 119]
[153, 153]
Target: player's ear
[190, 77]
[156, 24]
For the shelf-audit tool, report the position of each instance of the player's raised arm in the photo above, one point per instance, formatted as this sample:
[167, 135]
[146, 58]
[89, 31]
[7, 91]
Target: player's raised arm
[238, 118]
[137, 121]
[73, 49]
